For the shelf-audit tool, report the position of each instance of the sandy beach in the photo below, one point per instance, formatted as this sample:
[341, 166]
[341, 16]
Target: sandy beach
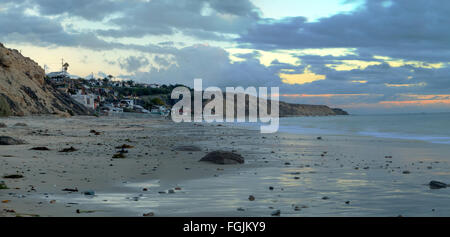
[300, 175]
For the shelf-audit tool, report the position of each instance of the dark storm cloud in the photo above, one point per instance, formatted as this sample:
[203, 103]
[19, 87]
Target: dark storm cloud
[186, 16]
[201, 19]
[405, 29]
[88, 9]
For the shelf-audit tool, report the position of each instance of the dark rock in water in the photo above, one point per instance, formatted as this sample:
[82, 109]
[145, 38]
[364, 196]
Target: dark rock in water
[437, 185]
[251, 198]
[5, 140]
[2, 125]
[187, 148]
[223, 158]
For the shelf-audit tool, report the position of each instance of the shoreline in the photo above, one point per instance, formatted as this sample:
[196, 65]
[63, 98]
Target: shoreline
[306, 181]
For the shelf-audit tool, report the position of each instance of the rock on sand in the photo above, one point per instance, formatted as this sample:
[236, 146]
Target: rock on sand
[223, 158]
[5, 140]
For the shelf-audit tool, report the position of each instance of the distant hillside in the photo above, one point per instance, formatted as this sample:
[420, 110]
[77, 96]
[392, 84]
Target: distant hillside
[288, 109]
[24, 91]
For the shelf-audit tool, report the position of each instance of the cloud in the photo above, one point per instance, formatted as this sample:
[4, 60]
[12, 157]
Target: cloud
[379, 52]
[214, 66]
[405, 29]
[133, 63]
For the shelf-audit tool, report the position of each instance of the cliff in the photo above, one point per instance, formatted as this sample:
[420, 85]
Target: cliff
[285, 109]
[24, 90]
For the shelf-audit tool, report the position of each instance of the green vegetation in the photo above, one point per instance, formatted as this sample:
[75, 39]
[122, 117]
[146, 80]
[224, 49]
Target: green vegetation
[5, 110]
[157, 101]
[144, 91]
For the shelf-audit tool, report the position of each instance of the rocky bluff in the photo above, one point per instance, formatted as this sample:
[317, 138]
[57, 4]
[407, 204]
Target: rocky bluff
[24, 90]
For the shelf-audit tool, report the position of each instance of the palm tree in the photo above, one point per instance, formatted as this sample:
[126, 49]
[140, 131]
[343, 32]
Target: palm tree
[65, 67]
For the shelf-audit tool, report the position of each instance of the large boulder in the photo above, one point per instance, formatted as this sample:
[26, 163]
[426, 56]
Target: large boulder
[223, 158]
[5, 140]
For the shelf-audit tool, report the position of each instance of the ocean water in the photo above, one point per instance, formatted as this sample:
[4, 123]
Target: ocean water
[432, 127]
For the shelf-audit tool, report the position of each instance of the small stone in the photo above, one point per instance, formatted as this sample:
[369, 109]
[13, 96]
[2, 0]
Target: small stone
[251, 198]
[118, 156]
[40, 148]
[20, 125]
[70, 149]
[276, 213]
[13, 176]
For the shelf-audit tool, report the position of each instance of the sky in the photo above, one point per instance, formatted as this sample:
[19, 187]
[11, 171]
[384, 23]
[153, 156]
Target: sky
[365, 56]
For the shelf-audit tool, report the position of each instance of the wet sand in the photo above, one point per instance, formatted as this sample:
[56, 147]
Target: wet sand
[334, 176]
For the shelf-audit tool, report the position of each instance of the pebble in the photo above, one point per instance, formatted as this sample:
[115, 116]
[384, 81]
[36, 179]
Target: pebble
[276, 213]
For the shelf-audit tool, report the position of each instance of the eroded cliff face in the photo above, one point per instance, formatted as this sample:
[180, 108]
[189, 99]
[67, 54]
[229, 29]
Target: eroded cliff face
[24, 90]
